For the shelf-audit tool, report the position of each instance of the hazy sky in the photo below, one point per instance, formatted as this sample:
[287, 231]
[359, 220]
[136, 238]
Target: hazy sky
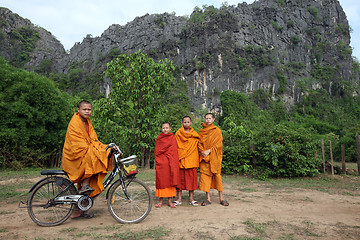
[71, 20]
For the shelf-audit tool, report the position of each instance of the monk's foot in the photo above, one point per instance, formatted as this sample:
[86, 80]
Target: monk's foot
[224, 203]
[86, 190]
[205, 202]
[75, 214]
[83, 215]
[177, 203]
[172, 205]
[194, 203]
[158, 205]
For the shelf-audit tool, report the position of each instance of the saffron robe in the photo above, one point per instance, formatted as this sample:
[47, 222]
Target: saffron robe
[210, 166]
[189, 158]
[166, 161]
[84, 156]
[188, 147]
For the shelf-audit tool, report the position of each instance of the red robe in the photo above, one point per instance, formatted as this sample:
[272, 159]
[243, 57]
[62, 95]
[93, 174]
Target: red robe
[166, 161]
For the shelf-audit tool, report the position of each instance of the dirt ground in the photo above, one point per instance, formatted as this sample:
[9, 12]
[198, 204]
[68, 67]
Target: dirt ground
[256, 211]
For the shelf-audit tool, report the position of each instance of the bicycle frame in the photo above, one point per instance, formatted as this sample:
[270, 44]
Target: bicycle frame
[116, 171]
[129, 200]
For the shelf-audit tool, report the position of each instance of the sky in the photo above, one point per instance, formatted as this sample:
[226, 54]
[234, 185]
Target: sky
[71, 20]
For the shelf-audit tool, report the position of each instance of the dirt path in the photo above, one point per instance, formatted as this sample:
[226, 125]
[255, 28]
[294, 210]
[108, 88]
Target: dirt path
[255, 212]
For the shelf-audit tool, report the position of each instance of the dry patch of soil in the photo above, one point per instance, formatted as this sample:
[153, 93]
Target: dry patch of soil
[256, 211]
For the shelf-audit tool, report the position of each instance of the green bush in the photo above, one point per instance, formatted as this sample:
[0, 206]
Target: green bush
[24, 39]
[33, 118]
[282, 151]
[236, 151]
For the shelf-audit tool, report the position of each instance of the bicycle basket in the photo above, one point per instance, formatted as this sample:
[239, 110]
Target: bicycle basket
[129, 165]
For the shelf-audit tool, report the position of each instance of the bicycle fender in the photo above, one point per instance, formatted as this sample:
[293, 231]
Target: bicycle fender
[46, 179]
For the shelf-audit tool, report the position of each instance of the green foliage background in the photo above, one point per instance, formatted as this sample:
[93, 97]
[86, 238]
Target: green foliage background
[140, 100]
[33, 118]
[262, 136]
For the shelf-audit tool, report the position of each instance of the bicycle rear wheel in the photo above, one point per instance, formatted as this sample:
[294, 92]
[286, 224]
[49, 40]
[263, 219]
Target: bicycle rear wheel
[133, 209]
[42, 208]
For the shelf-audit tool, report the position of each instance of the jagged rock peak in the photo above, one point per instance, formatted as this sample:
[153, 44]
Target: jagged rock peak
[27, 45]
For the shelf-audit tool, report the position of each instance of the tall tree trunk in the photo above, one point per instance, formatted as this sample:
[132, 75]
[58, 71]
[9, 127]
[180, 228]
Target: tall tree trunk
[147, 158]
[142, 150]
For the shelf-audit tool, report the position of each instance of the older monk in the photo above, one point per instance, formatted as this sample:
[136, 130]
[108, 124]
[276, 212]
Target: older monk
[85, 159]
[210, 147]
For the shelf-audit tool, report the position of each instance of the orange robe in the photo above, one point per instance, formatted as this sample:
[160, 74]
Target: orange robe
[188, 148]
[210, 166]
[167, 165]
[189, 158]
[84, 156]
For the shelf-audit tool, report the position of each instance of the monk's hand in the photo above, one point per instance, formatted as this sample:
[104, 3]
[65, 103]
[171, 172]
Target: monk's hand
[206, 153]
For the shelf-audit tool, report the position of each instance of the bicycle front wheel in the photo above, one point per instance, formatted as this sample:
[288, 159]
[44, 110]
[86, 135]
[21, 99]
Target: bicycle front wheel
[42, 207]
[132, 208]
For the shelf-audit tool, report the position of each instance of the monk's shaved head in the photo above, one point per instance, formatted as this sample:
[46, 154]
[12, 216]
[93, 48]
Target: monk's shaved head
[83, 102]
[210, 114]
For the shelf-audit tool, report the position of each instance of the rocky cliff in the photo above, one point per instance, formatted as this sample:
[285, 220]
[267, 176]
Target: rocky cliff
[281, 46]
[27, 45]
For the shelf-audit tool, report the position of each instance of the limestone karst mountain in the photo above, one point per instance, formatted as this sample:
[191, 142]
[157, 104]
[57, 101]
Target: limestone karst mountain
[281, 46]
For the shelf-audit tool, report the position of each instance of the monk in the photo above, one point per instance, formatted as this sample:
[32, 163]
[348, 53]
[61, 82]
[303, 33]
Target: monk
[187, 140]
[85, 159]
[167, 165]
[210, 147]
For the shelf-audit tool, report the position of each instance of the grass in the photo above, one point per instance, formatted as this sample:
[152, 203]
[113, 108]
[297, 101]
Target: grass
[107, 228]
[257, 228]
[15, 185]
[349, 165]
[22, 174]
[152, 233]
[15, 192]
[346, 185]
[68, 230]
[276, 230]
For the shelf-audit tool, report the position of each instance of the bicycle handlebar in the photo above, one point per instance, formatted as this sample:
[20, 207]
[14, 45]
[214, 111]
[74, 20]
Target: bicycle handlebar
[111, 145]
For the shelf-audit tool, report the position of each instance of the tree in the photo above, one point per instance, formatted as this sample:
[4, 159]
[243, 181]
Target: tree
[33, 119]
[135, 107]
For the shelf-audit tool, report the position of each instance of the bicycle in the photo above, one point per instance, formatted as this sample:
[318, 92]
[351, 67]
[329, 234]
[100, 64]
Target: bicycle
[53, 199]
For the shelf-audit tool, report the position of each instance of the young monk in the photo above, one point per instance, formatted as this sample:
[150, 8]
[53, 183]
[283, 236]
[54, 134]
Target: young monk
[210, 147]
[85, 159]
[167, 165]
[187, 139]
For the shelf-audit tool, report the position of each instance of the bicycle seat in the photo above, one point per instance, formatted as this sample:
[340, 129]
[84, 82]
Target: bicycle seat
[53, 172]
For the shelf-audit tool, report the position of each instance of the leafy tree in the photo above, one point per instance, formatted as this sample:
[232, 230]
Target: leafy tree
[24, 40]
[33, 118]
[285, 150]
[177, 104]
[237, 152]
[264, 142]
[135, 107]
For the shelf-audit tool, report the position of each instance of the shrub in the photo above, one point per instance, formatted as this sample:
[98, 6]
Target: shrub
[295, 39]
[282, 151]
[33, 118]
[236, 152]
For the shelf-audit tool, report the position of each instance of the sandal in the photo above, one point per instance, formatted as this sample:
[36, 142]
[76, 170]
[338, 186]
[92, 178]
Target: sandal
[205, 202]
[224, 203]
[177, 203]
[194, 203]
[172, 205]
[86, 189]
[158, 205]
[84, 215]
